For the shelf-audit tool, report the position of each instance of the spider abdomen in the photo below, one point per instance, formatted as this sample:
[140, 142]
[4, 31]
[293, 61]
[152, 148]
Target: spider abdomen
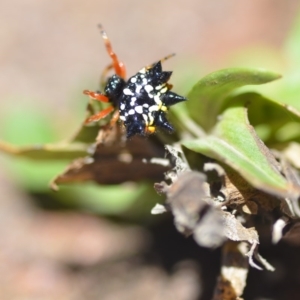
[144, 101]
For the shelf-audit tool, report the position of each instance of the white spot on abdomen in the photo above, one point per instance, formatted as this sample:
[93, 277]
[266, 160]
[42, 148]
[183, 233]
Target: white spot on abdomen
[131, 112]
[164, 90]
[132, 102]
[145, 118]
[139, 109]
[128, 92]
[157, 100]
[148, 88]
[138, 89]
[153, 108]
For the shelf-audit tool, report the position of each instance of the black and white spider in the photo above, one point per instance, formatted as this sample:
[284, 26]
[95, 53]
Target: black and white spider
[141, 102]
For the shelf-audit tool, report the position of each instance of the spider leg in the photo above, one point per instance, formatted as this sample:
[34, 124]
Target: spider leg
[114, 119]
[100, 115]
[103, 78]
[162, 60]
[118, 66]
[96, 96]
[167, 57]
[106, 130]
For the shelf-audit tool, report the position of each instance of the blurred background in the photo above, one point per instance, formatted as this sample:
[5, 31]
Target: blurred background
[91, 242]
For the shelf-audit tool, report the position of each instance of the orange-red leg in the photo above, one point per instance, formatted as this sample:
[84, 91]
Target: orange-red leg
[103, 78]
[96, 96]
[106, 130]
[100, 115]
[103, 113]
[114, 118]
[117, 64]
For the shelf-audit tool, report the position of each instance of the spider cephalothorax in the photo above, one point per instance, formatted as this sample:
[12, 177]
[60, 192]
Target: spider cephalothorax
[141, 102]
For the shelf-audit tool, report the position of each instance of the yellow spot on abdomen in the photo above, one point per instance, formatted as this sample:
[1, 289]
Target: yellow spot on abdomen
[150, 129]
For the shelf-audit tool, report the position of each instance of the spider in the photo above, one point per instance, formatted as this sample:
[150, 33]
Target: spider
[141, 102]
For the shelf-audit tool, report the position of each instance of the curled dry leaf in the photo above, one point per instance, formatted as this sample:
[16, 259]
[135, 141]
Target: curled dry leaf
[189, 199]
[240, 193]
[235, 231]
[290, 205]
[115, 160]
[194, 213]
[209, 232]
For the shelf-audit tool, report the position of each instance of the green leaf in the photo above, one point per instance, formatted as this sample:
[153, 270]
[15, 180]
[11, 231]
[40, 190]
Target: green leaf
[208, 96]
[279, 122]
[235, 143]
[32, 176]
[57, 151]
[38, 133]
[110, 199]
[180, 118]
[86, 134]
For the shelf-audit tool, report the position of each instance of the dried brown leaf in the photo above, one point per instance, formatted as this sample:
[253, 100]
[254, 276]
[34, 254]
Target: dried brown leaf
[194, 213]
[235, 231]
[115, 160]
[290, 205]
[239, 192]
